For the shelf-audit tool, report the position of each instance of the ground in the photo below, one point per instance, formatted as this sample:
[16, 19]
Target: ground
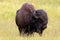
[9, 30]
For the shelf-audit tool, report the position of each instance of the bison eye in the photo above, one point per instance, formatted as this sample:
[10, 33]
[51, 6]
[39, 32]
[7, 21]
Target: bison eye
[37, 13]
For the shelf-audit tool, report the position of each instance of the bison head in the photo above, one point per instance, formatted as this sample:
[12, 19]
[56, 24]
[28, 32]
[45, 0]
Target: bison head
[40, 21]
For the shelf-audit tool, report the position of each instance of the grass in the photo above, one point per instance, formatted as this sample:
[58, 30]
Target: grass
[9, 30]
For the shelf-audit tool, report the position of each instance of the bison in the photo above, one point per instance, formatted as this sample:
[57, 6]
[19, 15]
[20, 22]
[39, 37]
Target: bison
[30, 20]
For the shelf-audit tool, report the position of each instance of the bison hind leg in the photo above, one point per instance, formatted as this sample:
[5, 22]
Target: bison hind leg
[20, 30]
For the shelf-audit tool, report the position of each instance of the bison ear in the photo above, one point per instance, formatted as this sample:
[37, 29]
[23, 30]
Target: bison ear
[35, 16]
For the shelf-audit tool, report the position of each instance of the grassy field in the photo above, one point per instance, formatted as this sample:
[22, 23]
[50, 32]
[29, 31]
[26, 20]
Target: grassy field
[9, 30]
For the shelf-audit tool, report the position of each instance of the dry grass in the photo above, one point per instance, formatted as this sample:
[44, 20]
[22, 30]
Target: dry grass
[9, 30]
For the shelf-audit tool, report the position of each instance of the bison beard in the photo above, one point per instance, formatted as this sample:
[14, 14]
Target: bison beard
[30, 20]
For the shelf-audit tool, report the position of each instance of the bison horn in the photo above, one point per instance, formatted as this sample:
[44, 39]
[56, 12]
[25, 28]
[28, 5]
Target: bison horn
[35, 16]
